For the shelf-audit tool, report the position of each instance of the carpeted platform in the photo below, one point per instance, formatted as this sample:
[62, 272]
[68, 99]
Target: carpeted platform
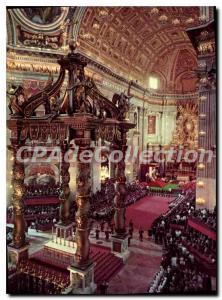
[107, 264]
[146, 210]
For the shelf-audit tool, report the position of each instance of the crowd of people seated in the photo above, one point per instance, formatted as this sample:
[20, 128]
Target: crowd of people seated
[164, 193]
[36, 191]
[45, 221]
[181, 212]
[206, 217]
[101, 202]
[158, 282]
[41, 210]
[41, 217]
[180, 202]
[183, 248]
[183, 272]
[203, 244]
[36, 212]
[179, 275]
[134, 193]
[177, 214]
[45, 224]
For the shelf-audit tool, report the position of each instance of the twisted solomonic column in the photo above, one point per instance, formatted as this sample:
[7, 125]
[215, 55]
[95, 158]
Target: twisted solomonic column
[18, 193]
[65, 190]
[119, 200]
[83, 193]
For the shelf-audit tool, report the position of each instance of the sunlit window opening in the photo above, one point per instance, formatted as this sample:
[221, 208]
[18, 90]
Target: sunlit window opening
[153, 82]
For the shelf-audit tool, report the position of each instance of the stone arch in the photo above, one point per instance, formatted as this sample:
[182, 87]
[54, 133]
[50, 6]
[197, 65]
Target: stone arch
[186, 82]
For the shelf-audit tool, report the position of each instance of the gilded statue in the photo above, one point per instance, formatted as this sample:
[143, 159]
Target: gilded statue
[80, 91]
[122, 102]
[54, 102]
[17, 100]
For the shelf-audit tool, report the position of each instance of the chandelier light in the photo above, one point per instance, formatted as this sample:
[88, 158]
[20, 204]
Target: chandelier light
[200, 183]
[203, 80]
[176, 21]
[203, 18]
[201, 166]
[200, 200]
[103, 13]
[163, 19]
[96, 26]
[154, 11]
[202, 64]
[202, 116]
[203, 98]
[204, 34]
[190, 21]
[202, 133]
[86, 36]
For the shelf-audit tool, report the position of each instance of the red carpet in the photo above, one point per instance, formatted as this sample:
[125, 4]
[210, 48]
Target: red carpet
[146, 210]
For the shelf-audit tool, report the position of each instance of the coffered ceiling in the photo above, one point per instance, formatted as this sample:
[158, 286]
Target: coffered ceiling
[136, 41]
[133, 42]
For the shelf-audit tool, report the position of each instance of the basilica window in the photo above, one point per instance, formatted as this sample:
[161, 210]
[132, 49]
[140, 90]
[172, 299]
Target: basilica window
[153, 82]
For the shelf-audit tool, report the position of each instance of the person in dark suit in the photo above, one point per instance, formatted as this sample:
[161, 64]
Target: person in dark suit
[141, 234]
[97, 232]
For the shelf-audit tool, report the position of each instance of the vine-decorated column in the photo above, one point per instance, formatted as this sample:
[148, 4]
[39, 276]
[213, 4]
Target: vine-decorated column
[65, 190]
[119, 200]
[112, 164]
[18, 193]
[83, 193]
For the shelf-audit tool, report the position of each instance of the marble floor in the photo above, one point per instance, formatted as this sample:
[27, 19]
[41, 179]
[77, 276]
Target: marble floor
[36, 240]
[138, 272]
